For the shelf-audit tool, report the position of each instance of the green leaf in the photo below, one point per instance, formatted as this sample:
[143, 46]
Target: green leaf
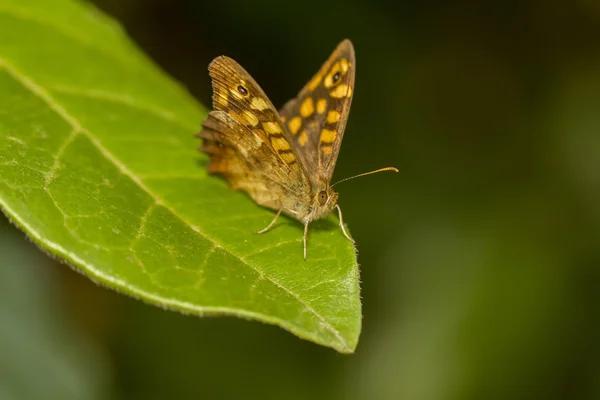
[98, 165]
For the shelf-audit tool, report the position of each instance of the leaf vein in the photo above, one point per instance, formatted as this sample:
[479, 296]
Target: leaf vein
[271, 247]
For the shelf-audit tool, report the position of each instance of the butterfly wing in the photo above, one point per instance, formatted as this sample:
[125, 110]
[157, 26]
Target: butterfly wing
[316, 118]
[246, 140]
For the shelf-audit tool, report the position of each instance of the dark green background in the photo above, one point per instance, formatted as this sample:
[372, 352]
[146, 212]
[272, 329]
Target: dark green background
[480, 261]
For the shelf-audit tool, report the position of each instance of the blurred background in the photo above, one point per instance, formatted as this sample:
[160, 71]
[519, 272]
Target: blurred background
[480, 261]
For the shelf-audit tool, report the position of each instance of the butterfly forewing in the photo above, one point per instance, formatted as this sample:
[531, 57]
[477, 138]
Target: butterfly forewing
[316, 118]
[236, 93]
[246, 140]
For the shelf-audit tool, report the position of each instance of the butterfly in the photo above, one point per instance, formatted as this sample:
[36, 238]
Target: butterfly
[284, 160]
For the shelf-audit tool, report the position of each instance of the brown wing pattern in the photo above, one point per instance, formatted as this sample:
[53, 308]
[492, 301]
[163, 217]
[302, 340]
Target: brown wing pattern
[246, 140]
[316, 118]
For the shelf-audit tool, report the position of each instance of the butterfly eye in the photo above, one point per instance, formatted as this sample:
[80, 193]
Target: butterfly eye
[322, 197]
[336, 77]
[243, 91]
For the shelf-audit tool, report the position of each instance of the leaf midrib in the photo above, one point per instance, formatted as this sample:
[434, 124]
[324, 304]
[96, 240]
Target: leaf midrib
[45, 96]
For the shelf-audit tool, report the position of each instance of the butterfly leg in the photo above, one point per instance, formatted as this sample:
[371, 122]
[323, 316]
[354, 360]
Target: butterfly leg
[272, 222]
[342, 224]
[305, 234]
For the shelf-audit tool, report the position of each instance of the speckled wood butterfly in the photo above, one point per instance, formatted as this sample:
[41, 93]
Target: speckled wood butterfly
[284, 160]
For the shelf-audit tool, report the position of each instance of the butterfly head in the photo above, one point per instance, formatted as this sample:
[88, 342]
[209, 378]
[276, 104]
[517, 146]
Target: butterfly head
[323, 201]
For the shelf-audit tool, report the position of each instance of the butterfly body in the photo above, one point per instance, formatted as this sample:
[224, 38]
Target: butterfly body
[284, 160]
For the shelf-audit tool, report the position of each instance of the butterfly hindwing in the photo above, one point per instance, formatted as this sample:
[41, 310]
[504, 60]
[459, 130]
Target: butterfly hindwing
[316, 118]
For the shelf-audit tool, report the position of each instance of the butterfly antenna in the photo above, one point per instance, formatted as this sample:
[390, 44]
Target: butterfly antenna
[367, 173]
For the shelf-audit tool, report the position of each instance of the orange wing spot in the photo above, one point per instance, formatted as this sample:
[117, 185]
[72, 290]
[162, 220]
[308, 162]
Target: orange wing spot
[271, 127]
[221, 97]
[259, 104]
[329, 78]
[340, 91]
[326, 150]
[333, 116]
[349, 92]
[307, 108]
[238, 117]
[289, 158]
[283, 118]
[250, 118]
[303, 139]
[321, 105]
[328, 136]
[295, 124]
[280, 144]
[312, 85]
[345, 65]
